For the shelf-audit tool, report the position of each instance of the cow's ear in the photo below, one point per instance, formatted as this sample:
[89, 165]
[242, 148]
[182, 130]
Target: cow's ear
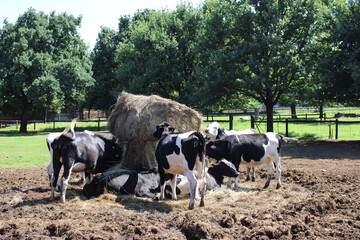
[172, 129]
[209, 144]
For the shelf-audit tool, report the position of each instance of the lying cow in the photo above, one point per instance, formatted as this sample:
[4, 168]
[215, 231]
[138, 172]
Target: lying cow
[214, 178]
[91, 153]
[140, 183]
[179, 154]
[249, 150]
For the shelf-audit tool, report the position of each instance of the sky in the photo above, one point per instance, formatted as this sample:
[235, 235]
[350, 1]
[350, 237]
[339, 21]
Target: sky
[95, 13]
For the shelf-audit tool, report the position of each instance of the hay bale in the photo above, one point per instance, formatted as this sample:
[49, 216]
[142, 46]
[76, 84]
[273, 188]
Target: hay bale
[134, 120]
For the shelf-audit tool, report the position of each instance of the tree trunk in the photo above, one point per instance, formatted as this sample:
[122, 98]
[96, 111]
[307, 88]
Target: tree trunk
[24, 116]
[293, 111]
[321, 110]
[269, 117]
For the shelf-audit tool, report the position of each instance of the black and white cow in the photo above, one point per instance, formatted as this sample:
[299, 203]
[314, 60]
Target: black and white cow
[249, 150]
[214, 178]
[223, 133]
[90, 153]
[213, 132]
[140, 183]
[179, 154]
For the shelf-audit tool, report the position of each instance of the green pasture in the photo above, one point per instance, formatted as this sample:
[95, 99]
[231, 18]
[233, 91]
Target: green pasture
[26, 150]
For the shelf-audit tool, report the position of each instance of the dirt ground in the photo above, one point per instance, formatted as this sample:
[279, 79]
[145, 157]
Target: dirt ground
[319, 199]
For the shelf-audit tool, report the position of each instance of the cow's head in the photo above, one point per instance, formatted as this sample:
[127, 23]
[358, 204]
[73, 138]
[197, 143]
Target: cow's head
[217, 149]
[224, 168]
[163, 128]
[211, 130]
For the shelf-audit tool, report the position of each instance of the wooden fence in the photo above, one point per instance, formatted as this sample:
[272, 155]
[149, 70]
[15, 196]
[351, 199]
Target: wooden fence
[6, 123]
[291, 121]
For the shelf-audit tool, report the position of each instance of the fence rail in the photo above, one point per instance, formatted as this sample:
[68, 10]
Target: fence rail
[5, 123]
[290, 121]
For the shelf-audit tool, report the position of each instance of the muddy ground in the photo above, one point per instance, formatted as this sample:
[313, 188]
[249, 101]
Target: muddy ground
[320, 199]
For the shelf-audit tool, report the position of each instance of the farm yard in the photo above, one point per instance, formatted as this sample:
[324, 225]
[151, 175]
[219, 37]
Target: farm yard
[319, 199]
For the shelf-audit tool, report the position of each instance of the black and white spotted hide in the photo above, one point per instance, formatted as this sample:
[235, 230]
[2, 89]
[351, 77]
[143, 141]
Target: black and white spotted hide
[140, 183]
[181, 153]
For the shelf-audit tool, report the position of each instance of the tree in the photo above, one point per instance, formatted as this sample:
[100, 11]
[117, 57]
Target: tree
[44, 64]
[340, 61]
[101, 95]
[158, 57]
[256, 48]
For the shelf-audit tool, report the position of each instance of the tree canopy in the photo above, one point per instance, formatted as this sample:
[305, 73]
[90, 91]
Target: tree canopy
[223, 54]
[44, 64]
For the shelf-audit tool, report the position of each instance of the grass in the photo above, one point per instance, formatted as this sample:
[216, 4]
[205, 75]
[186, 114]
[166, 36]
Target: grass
[23, 151]
[26, 150]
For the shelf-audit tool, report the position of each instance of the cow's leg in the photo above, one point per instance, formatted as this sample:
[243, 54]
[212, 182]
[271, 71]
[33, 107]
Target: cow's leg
[230, 182]
[278, 172]
[86, 177]
[193, 184]
[253, 173]
[236, 186]
[54, 178]
[270, 173]
[248, 173]
[65, 180]
[173, 187]
[162, 183]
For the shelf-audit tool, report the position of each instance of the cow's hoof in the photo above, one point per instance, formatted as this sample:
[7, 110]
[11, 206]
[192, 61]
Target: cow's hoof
[202, 203]
[278, 186]
[191, 207]
[156, 199]
[253, 179]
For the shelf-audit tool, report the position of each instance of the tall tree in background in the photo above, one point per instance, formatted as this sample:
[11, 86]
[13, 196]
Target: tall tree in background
[158, 57]
[101, 95]
[261, 47]
[43, 64]
[340, 62]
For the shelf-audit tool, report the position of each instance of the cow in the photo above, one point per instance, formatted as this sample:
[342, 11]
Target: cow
[141, 183]
[249, 150]
[91, 153]
[213, 131]
[223, 133]
[179, 153]
[214, 178]
[50, 169]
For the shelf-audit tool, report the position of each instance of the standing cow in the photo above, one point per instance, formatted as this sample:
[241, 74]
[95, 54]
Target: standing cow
[213, 132]
[90, 153]
[179, 154]
[250, 150]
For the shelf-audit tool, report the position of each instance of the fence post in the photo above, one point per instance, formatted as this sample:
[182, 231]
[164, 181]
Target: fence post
[231, 118]
[336, 128]
[252, 122]
[98, 124]
[54, 125]
[287, 127]
[34, 125]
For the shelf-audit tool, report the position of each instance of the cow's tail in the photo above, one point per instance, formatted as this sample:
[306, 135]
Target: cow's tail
[71, 128]
[201, 152]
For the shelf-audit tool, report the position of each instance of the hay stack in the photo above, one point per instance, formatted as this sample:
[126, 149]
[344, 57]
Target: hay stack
[134, 120]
